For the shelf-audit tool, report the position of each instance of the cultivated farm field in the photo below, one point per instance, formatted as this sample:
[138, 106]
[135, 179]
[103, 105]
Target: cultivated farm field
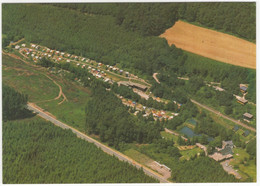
[212, 44]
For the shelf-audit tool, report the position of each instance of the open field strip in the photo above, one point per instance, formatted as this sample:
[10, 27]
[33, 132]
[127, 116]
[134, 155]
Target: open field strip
[212, 44]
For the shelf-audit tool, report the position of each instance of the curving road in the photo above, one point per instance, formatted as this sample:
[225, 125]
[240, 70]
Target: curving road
[106, 149]
[224, 116]
[155, 77]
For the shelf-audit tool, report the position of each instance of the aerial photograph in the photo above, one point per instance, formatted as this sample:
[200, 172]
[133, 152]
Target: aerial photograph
[128, 92]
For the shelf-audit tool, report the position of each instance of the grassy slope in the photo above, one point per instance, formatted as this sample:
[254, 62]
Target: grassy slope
[245, 170]
[27, 80]
[40, 88]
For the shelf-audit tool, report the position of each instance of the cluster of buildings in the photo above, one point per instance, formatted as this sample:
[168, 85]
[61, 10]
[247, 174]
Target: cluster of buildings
[157, 114]
[224, 153]
[99, 74]
[243, 89]
[34, 51]
[116, 69]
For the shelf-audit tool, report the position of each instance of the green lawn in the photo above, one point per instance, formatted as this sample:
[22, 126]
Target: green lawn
[187, 154]
[169, 136]
[27, 80]
[239, 159]
[137, 156]
[39, 88]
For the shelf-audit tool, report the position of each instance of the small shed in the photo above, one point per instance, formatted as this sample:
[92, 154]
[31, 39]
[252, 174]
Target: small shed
[247, 115]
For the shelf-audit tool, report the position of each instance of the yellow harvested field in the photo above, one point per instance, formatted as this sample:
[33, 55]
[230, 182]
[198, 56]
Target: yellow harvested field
[212, 44]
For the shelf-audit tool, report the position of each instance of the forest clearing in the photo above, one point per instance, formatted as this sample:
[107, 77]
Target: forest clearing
[212, 44]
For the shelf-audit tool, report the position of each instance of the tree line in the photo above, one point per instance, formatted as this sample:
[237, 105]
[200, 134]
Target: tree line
[14, 104]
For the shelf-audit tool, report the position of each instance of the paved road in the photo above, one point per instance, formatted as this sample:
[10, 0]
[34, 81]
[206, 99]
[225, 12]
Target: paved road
[106, 149]
[224, 116]
[229, 169]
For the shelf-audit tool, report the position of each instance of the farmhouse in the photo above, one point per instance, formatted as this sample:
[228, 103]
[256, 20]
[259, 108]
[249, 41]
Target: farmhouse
[241, 100]
[23, 45]
[138, 86]
[134, 85]
[226, 152]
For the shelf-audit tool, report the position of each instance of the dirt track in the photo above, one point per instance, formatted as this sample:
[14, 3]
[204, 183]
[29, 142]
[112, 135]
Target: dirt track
[212, 44]
[60, 88]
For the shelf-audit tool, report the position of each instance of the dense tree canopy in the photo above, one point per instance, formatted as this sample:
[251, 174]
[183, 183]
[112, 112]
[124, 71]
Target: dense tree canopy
[154, 18]
[14, 103]
[39, 152]
[116, 125]
[202, 169]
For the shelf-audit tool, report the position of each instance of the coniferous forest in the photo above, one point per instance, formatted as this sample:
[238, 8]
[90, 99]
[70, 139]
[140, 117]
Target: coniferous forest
[35, 151]
[38, 152]
[124, 35]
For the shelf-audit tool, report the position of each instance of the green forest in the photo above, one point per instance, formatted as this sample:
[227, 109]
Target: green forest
[125, 35]
[154, 18]
[14, 104]
[110, 43]
[35, 151]
[203, 169]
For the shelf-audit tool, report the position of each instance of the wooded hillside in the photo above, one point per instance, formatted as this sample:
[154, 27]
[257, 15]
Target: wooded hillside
[153, 18]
